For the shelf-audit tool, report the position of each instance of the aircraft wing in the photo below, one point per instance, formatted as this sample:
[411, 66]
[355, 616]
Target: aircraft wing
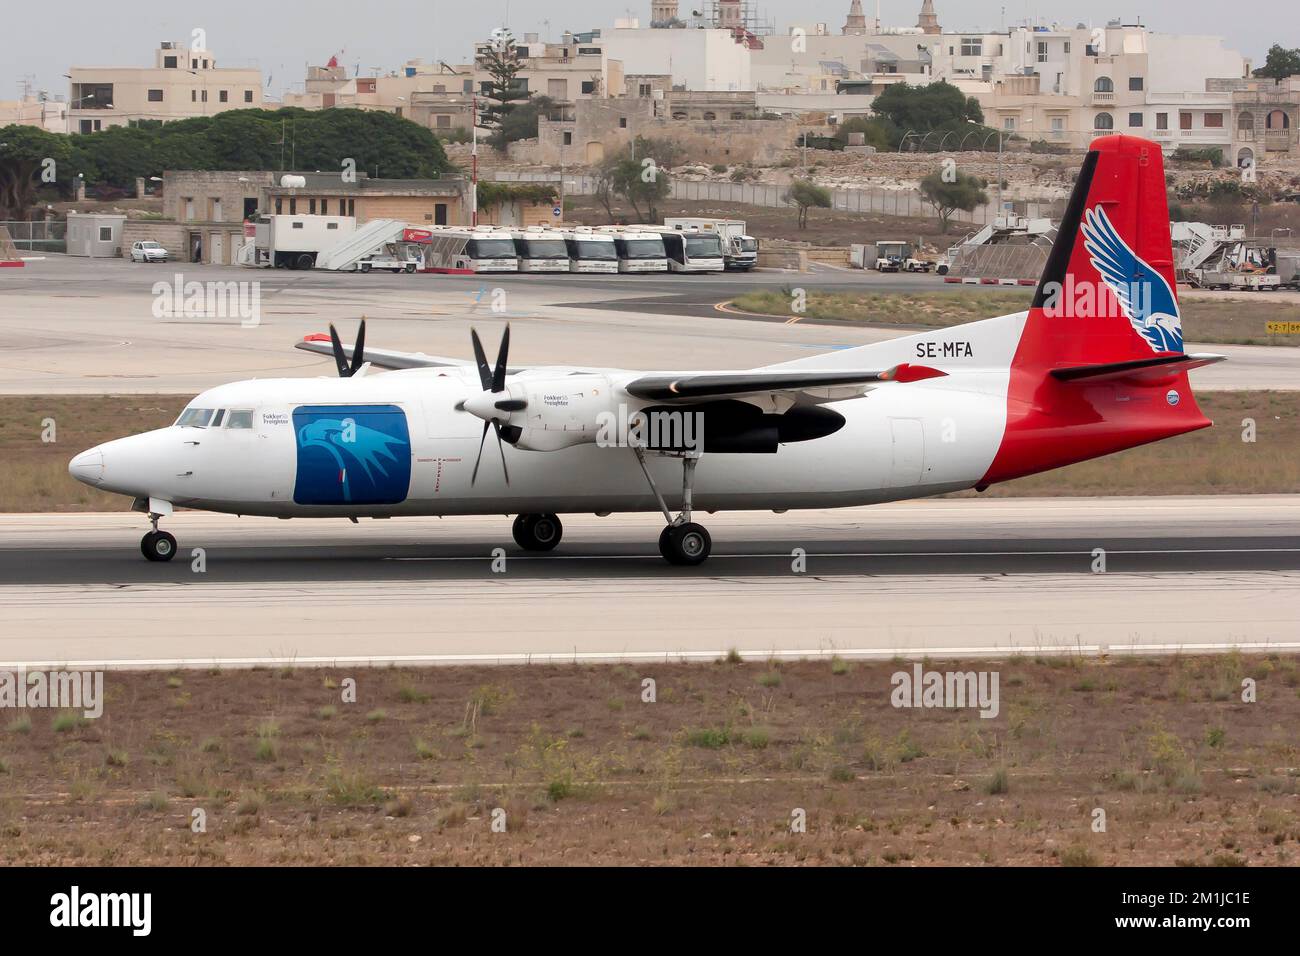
[837, 383]
[381, 358]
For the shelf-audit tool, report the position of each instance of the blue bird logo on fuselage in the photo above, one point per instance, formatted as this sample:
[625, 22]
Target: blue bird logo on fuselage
[349, 442]
[1143, 293]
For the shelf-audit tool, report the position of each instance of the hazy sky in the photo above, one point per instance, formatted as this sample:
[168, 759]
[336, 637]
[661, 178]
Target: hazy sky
[41, 42]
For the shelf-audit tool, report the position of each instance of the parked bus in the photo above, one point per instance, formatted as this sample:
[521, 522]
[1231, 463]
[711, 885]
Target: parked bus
[541, 250]
[591, 251]
[740, 250]
[638, 250]
[476, 249]
[692, 251]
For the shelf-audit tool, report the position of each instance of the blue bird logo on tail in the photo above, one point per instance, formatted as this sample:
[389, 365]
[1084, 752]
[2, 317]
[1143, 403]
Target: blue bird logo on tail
[1143, 293]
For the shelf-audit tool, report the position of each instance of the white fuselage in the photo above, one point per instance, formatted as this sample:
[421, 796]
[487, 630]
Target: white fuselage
[924, 438]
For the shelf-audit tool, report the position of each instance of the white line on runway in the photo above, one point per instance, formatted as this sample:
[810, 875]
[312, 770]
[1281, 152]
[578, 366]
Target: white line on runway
[857, 554]
[667, 657]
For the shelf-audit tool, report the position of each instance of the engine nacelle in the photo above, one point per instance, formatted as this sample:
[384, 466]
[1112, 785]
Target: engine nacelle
[562, 411]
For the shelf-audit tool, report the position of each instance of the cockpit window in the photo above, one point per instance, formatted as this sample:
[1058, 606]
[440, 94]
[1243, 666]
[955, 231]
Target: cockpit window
[195, 418]
[240, 419]
[216, 419]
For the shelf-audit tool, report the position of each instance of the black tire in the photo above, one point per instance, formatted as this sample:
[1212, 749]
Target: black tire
[685, 545]
[158, 546]
[305, 261]
[365, 267]
[410, 268]
[538, 532]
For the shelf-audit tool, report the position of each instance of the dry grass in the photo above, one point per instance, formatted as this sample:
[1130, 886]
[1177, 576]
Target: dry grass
[709, 774]
[1228, 321]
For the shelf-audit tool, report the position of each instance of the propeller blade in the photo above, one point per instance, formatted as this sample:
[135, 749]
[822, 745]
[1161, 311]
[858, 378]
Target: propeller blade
[359, 350]
[340, 359]
[474, 477]
[504, 470]
[499, 374]
[484, 370]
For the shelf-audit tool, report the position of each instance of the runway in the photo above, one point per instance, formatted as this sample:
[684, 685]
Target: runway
[88, 326]
[964, 577]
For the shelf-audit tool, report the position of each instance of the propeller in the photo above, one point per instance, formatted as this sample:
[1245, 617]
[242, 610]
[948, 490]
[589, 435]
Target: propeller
[488, 406]
[358, 351]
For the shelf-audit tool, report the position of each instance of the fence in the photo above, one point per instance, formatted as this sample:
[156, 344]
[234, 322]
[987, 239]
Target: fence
[39, 236]
[868, 201]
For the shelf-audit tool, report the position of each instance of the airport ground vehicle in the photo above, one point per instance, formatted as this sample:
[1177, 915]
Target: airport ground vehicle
[638, 249]
[591, 251]
[690, 251]
[895, 255]
[740, 250]
[472, 249]
[146, 250]
[394, 257]
[1063, 382]
[294, 242]
[540, 249]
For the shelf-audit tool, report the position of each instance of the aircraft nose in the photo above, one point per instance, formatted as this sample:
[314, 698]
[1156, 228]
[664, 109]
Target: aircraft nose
[88, 467]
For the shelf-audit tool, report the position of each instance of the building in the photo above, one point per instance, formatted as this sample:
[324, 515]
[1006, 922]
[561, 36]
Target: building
[1069, 85]
[1266, 119]
[708, 127]
[35, 109]
[856, 24]
[95, 235]
[697, 59]
[928, 22]
[204, 212]
[184, 81]
[663, 13]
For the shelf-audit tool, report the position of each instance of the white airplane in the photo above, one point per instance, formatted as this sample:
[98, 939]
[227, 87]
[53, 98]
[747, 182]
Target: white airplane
[1094, 367]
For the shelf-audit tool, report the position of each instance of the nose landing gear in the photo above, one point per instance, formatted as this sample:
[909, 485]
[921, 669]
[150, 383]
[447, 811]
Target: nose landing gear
[157, 545]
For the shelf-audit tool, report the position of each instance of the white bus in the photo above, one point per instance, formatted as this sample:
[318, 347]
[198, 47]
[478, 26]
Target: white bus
[473, 249]
[638, 250]
[740, 250]
[693, 251]
[541, 250]
[591, 251]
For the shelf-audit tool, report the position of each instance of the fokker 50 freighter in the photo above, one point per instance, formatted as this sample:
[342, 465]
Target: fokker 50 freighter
[1094, 367]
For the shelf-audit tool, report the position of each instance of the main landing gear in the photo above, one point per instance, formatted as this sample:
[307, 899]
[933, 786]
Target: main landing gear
[538, 532]
[683, 542]
[157, 545]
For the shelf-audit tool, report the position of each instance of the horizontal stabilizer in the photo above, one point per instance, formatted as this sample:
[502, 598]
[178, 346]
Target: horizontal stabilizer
[1140, 369]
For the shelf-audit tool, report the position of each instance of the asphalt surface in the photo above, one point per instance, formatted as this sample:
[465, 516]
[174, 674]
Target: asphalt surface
[967, 577]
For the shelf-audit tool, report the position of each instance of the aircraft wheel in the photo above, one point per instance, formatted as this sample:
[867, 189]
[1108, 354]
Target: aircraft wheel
[685, 544]
[158, 546]
[538, 532]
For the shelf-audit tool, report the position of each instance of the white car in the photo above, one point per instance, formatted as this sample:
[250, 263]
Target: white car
[147, 250]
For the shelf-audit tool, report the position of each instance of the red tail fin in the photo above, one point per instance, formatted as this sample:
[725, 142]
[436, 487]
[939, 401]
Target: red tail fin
[1107, 298]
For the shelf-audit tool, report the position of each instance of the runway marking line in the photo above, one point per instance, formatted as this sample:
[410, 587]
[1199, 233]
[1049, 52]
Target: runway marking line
[683, 656]
[854, 554]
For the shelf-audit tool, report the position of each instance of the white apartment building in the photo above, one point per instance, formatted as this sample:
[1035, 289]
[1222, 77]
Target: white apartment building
[1068, 86]
[184, 81]
[699, 60]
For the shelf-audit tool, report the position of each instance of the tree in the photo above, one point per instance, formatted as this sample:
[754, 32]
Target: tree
[641, 181]
[876, 131]
[1280, 63]
[807, 195]
[25, 155]
[505, 91]
[964, 192]
[521, 122]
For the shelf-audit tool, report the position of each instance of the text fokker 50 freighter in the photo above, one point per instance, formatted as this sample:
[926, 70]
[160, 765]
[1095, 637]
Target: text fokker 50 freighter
[1095, 366]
